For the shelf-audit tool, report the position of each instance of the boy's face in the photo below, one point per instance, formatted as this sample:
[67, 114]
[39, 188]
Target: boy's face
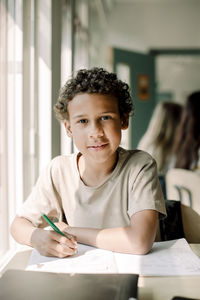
[95, 125]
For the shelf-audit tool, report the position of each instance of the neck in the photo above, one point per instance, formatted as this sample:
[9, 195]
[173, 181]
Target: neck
[94, 174]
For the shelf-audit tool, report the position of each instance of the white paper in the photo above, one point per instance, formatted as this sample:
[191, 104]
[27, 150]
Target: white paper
[165, 259]
[87, 260]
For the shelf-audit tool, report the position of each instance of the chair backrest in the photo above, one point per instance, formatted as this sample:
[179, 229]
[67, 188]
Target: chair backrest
[184, 185]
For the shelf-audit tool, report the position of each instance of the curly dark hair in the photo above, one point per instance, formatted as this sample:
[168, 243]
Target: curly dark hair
[187, 140]
[94, 81]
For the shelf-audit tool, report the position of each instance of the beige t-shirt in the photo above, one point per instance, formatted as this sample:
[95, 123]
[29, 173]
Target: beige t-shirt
[133, 186]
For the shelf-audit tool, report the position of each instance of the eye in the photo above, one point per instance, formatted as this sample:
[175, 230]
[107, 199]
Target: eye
[104, 118]
[83, 121]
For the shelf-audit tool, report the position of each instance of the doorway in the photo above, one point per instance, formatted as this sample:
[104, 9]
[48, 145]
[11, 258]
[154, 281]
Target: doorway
[171, 76]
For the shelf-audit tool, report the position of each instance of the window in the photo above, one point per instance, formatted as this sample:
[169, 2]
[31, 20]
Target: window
[30, 78]
[11, 116]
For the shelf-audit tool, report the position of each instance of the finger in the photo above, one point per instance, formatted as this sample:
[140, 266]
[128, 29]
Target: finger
[62, 250]
[57, 250]
[61, 225]
[64, 240]
[70, 236]
[48, 251]
[54, 253]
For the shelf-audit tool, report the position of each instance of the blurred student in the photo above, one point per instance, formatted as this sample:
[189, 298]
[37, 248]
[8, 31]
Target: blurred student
[187, 140]
[160, 135]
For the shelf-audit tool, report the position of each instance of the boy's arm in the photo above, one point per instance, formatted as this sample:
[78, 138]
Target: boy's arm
[47, 242]
[137, 238]
[21, 230]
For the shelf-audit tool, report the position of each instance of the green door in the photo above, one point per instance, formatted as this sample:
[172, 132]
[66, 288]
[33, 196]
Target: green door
[142, 83]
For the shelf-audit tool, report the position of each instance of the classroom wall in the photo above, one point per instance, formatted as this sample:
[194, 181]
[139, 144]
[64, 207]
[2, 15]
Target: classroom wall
[142, 25]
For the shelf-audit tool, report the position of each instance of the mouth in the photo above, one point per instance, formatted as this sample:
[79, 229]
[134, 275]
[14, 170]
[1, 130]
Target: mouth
[97, 147]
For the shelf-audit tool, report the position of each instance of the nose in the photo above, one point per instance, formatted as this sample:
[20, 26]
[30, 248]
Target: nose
[96, 130]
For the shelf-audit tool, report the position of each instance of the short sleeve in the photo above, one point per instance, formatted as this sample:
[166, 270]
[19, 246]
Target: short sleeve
[145, 191]
[44, 198]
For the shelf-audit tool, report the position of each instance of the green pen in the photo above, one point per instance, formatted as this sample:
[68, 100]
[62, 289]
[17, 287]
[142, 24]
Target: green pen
[52, 225]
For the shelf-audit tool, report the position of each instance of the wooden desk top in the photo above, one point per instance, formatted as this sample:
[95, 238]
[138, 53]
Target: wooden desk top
[166, 287]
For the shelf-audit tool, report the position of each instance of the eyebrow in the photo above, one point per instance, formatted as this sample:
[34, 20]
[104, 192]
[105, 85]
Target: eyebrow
[79, 116]
[109, 112]
[85, 116]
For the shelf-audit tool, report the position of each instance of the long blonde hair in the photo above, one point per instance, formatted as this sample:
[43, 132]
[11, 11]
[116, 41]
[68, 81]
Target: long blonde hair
[159, 137]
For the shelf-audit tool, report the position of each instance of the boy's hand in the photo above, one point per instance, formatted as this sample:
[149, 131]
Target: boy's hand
[51, 243]
[61, 225]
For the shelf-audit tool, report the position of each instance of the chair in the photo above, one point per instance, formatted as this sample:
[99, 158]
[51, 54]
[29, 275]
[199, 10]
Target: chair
[184, 186]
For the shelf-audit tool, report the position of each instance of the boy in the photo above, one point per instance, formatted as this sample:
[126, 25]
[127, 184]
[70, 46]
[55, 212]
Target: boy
[109, 196]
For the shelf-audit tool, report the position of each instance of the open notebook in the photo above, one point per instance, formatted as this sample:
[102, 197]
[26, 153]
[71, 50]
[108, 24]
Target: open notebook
[30, 285]
[166, 258]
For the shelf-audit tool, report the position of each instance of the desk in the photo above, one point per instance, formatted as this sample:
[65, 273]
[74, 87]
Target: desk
[164, 288]
[150, 288]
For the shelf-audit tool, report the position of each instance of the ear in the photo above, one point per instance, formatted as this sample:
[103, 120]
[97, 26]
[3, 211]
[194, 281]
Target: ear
[68, 128]
[125, 122]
